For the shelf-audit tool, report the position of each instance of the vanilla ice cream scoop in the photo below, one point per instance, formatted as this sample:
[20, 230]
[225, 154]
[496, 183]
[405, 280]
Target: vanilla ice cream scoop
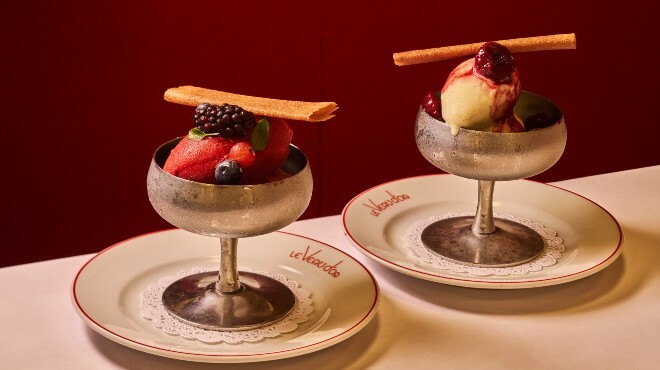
[481, 91]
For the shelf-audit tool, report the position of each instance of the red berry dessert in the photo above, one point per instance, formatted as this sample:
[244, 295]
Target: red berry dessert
[229, 145]
[237, 139]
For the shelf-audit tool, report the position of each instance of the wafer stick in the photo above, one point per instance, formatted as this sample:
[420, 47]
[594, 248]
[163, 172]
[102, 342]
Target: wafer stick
[539, 43]
[288, 109]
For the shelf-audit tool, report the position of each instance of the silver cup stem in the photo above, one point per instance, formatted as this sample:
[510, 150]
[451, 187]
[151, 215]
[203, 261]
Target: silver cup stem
[483, 223]
[228, 276]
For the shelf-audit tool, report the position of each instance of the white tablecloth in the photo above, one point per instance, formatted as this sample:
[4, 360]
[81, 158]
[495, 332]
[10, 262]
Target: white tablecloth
[610, 320]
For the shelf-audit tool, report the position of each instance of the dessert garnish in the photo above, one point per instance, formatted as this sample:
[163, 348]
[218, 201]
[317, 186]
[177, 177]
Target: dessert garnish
[228, 172]
[287, 109]
[495, 62]
[236, 139]
[519, 45]
[431, 104]
[225, 120]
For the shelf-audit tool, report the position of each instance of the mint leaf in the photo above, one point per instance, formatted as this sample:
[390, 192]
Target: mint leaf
[197, 134]
[259, 138]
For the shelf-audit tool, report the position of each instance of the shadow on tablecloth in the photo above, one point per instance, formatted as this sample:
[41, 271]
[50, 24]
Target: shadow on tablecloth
[354, 353]
[573, 295]
[637, 265]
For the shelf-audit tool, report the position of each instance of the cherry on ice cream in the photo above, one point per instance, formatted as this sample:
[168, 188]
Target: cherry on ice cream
[495, 62]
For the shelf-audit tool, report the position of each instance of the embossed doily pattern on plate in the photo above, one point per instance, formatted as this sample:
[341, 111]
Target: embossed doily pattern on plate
[554, 248]
[151, 307]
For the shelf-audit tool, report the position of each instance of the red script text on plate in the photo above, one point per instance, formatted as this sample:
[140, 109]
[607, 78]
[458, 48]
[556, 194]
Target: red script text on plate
[378, 208]
[312, 259]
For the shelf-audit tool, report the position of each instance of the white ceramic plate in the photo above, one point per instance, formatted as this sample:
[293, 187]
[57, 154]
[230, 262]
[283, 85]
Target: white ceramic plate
[106, 293]
[592, 237]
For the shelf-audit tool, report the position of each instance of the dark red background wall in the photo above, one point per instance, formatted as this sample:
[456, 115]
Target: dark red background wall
[82, 85]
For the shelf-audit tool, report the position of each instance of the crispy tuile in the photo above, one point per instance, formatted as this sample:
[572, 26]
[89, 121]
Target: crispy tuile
[538, 43]
[286, 109]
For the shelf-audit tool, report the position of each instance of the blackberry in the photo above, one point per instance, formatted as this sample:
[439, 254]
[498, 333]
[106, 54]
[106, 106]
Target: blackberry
[230, 121]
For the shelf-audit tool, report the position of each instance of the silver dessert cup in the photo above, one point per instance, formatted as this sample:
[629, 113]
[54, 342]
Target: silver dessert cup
[488, 157]
[220, 300]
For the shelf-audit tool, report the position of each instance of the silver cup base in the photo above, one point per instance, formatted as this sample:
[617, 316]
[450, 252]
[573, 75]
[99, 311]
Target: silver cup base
[511, 244]
[261, 301]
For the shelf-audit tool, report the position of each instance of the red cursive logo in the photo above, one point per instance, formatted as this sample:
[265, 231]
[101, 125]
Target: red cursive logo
[312, 259]
[377, 209]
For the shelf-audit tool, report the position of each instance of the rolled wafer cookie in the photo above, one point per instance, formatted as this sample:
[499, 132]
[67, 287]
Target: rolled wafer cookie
[287, 109]
[537, 43]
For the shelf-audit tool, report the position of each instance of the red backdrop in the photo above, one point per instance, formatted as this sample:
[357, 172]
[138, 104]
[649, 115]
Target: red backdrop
[83, 84]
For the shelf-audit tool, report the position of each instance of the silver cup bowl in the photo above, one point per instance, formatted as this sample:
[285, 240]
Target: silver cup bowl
[233, 211]
[226, 299]
[488, 157]
[494, 156]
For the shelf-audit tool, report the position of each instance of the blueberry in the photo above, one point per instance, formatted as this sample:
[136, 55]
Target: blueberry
[228, 172]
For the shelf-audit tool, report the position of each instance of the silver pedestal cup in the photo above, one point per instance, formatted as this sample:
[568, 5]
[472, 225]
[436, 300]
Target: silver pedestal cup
[229, 300]
[488, 157]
